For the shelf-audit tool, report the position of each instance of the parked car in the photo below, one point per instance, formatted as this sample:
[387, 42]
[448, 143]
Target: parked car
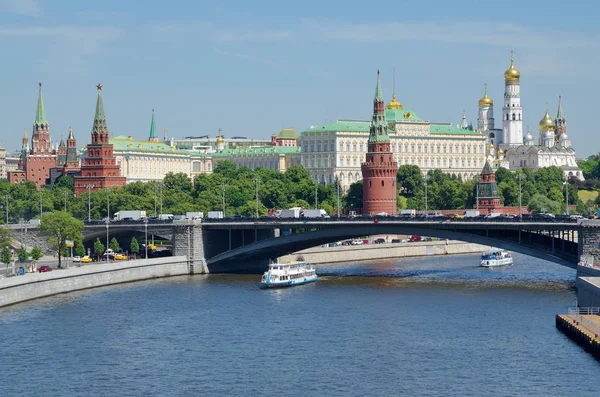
[357, 242]
[76, 259]
[414, 239]
[121, 257]
[44, 269]
[86, 259]
[379, 241]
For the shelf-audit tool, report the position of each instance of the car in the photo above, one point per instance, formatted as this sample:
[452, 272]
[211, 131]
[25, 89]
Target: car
[379, 241]
[44, 269]
[120, 257]
[86, 259]
[76, 259]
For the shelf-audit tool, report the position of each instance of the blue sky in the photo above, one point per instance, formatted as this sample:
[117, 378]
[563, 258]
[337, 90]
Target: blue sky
[255, 67]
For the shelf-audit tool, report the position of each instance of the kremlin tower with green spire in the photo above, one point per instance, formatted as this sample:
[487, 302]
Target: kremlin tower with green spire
[379, 170]
[100, 169]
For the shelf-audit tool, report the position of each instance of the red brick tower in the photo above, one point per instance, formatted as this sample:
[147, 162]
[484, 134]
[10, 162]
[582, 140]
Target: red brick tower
[379, 170]
[99, 169]
[488, 198]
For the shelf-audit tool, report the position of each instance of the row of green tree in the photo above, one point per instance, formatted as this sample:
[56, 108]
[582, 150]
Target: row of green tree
[234, 190]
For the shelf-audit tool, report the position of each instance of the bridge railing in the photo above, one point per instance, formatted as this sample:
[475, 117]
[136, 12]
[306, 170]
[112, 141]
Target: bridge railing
[579, 312]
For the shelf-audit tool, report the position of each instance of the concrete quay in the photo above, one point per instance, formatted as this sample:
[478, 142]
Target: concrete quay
[38, 285]
[366, 252]
[582, 329]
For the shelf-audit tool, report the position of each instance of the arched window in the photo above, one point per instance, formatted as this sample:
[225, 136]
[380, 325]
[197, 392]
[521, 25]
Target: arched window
[514, 116]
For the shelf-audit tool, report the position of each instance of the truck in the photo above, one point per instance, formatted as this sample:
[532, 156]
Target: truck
[129, 215]
[315, 214]
[194, 215]
[408, 213]
[471, 213]
[291, 213]
[215, 215]
[165, 217]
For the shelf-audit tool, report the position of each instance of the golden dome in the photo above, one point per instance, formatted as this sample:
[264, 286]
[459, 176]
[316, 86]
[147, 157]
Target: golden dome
[394, 104]
[546, 123]
[491, 146]
[486, 101]
[219, 139]
[512, 74]
[500, 152]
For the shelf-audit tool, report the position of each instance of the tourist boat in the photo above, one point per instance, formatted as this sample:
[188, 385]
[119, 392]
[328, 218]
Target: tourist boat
[496, 257]
[288, 274]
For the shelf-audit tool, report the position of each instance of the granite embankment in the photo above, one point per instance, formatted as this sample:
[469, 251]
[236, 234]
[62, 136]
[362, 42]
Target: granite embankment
[38, 285]
[366, 252]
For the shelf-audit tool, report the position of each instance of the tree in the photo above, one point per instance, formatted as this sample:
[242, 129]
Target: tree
[540, 203]
[134, 247]
[114, 245]
[249, 209]
[226, 168]
[98, 248]
[36, 253]
[409, 178]
[23, 255]
[354, 197]
[61, 227]
[4, 236]
[179, 182]
[6, 256]
[79, 249]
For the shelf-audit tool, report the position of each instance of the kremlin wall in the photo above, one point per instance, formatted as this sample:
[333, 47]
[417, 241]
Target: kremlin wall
[343, 150]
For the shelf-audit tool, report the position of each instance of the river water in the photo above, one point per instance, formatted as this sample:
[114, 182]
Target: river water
[436, 326]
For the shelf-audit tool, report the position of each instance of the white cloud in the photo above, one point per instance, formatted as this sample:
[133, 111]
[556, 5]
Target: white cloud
[23, 7]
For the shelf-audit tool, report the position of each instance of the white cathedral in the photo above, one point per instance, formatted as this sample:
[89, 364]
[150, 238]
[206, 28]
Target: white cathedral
[507, 148]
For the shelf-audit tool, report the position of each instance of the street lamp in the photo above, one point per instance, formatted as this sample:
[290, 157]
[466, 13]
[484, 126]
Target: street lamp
[88, 186]
[256, 181]
[154, 188]
[65, 196]
[566, 183]
[223, 196]
[7, 197]
[476, 176]
[41, 210]
[337, 182]
[161, 190]
[146, 236]
[520, 178]
[316, 195]
[107, 223]
[425, 177]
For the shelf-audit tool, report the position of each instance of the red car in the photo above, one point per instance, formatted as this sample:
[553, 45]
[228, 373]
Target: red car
[44, 269]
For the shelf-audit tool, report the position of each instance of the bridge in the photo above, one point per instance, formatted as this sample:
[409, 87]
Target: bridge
[246, 245]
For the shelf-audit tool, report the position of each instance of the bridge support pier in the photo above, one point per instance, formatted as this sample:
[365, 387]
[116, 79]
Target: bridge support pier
[588, 237]
[188, 240]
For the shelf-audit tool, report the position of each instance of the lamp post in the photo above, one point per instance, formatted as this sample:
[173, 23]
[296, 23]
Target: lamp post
[223, 196]
[316, 196]
[256, 181]
[146, 236]
[88, 186]
[566, 183]
[425, 177]
[107, 223]
[154, 188]
[520, 178]
[65, 196]
[161, 201]
[6, 197]
[41, 210]
[477, 194]
[337, 182]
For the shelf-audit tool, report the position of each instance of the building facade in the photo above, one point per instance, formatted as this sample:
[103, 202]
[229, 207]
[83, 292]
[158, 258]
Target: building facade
[337, 149]
[379, 169]
[99, 169]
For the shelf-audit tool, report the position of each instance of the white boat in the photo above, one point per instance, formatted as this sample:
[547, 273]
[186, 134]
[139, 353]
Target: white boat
[288, 274]
[496, 257]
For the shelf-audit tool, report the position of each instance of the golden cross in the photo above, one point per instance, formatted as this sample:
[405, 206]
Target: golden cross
[512, 55]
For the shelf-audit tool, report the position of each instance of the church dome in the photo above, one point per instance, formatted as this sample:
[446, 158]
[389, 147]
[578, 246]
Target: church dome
[486, 101]
[512, 74]
[219, 139]
[500, 152]
[563, 137]
[394, 104]
[491, 146]
[288, 133]
[546, 123]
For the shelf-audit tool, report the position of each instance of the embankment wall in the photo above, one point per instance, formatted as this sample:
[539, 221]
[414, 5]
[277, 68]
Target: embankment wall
[38, 285]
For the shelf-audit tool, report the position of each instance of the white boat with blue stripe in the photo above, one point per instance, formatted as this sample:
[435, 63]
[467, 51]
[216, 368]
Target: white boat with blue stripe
[496, 257]
[288, 274]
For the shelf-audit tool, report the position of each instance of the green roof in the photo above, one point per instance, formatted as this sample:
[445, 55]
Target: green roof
[447, 129]
[393, 115]
[378, 94]
[123, 143]
[342, 126]
[40, 114]
[288, 133]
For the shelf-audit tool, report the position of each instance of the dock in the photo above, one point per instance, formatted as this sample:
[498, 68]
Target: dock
[582, 325]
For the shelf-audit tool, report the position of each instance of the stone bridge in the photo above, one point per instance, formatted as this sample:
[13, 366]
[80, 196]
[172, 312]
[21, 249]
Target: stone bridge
[246, 245]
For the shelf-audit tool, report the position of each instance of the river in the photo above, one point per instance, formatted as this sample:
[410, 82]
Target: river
[434, 326]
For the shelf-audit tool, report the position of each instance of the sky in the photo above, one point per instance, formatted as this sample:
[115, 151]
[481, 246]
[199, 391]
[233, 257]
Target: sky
[255, 67]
